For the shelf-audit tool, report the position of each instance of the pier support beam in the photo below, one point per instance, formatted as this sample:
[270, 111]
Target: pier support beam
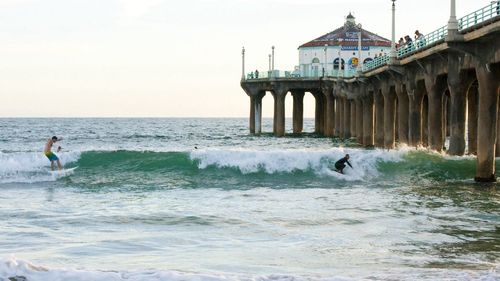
[337, 117]
[458, 92]
[379, 119]
[347, 119]
[329, 112]
[341, 117]
[298, 111]
[389, 116]
[403, 113]
[368, 140]
[435, 86]
[255, 120]
[359, 120]
[487, 76]
[279, 111]
[472, 120]
[353, 118]
[415, 94]
[319, 114]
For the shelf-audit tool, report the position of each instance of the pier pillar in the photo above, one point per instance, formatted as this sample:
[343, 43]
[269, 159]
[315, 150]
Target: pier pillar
[425, 121]
[415, 93]
[353, 118]
[255, 120]
[359, 120]
[472, 117]
[487, 76]
[279, 112]
[368, 121]
[458, 93]
[337, 117]
[329, 112]
[252, 114]
[403, 113]
[379, 119]
[298, 111]
[435, 86]
[497, 150]
[389, 116]
[347, 119]
[319, 115]
[341, 115]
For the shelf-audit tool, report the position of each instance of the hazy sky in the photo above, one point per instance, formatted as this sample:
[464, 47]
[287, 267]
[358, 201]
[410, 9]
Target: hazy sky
[165, 58]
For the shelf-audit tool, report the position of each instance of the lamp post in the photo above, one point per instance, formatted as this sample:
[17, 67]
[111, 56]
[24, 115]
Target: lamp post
[453, 22]
[339, 63]
[243, 64]
[325, 65]
[273, 57]
[269, 62]
[360, 67]
[393, 53]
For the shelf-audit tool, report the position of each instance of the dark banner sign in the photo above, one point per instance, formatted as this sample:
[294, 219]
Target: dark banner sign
[355, 48]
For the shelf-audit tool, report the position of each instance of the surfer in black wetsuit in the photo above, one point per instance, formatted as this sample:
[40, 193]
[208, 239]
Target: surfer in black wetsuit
[340, 165]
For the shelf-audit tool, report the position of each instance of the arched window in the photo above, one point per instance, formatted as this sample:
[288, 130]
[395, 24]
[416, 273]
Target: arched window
[367, 60]
[315, 60]
[336, 63]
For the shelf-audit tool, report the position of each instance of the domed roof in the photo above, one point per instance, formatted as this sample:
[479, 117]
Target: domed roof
[348, 35]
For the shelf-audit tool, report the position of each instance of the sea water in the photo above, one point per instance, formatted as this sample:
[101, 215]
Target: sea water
[202, 199]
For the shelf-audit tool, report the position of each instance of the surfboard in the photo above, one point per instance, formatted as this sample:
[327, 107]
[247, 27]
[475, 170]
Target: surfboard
[63, 172]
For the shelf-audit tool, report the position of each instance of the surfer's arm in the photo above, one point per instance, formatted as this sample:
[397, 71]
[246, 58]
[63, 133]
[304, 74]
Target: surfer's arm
[349, 164]
[59, 148]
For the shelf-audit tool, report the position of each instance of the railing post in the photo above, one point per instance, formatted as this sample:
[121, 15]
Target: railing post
[243, 64]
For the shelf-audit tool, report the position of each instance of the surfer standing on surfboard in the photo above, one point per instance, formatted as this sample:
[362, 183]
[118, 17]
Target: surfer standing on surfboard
[52, 157]
[340, 165]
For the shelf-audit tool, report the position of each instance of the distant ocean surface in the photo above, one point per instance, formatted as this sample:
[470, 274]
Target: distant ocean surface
[145, 204]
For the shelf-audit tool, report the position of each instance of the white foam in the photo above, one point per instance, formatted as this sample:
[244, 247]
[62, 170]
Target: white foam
[320, 162]
[29, 167]
[17, 268]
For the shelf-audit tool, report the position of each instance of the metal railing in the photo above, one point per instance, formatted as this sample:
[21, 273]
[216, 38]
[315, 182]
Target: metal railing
[276, 74]
[430, 39]
[480, 16]
[376, 63]
[484, 14]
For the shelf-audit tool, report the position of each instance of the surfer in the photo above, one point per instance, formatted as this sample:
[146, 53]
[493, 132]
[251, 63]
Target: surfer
[52, 157]
[340, 165]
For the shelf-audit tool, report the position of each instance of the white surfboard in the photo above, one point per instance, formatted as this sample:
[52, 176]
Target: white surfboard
[63, 172]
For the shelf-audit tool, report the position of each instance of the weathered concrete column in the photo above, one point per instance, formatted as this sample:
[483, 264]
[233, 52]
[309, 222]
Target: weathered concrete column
[403, 113]
[279, 111]
[415, 93]
[337, 117]
[359, 120]
[341, 115]
[458, 92]
[425, 121]
[347, 119]
[329, 112]
[368, 140]
[252, 114]
[379, 119]
[353, 118]
[497, 150]
[435, 88]
[298, 111]
[472, 116]
[258, 113]
[487, 76]
[389, 116]
[319, 115]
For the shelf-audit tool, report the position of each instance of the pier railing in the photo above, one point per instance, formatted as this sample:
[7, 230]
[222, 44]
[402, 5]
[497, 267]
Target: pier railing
[485, 14]
[279, 74]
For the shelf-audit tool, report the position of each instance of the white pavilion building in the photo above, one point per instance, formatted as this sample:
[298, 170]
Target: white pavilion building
[324, 53]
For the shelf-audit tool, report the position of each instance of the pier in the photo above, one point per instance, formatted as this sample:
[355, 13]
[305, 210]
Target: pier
[421, 95]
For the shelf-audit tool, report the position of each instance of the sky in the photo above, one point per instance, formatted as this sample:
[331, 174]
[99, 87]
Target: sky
[166, 58]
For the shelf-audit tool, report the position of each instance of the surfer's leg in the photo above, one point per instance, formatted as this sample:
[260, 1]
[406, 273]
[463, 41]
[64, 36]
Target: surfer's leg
[52, 165]
[59, 164]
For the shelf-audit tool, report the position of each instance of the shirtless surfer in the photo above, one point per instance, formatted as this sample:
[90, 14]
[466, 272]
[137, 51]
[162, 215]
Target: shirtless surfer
[48, 152]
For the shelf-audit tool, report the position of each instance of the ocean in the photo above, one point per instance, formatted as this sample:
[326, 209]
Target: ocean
[203, 200]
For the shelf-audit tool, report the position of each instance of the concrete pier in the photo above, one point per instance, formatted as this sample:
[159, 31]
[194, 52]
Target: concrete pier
[447, 89]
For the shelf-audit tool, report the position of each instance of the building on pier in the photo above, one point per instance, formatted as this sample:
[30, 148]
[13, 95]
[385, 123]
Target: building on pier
[341, 45]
